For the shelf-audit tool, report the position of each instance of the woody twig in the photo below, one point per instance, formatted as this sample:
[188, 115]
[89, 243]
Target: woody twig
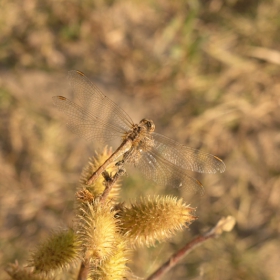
[224, 224]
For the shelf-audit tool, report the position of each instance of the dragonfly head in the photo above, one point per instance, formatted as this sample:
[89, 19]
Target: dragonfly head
[149, 124]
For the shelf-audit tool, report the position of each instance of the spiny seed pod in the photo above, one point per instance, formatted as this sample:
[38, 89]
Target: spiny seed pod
[97, 230]
[115, 266]
[58, 251]
[18, 273]
[97, 187]
[154, 219]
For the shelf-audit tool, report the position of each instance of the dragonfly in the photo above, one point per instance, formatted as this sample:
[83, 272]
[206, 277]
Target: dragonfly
[97, 118]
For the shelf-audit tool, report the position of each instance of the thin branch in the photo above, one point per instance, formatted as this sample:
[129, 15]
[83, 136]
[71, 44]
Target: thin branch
[225, 224]
[84, 269]
[85, 196]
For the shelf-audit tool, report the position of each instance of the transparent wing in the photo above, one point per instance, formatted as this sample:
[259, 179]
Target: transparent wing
[186, 157]
[85, 123]
[93, 101]
[163, 172]
[92, 115]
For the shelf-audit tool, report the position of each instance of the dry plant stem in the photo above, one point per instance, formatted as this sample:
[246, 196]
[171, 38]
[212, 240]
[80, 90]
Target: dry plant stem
[175, 258]
[109, 183]
[84, 269]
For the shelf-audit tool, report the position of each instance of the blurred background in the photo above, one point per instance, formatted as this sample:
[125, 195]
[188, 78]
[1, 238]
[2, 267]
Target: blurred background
[206, 72]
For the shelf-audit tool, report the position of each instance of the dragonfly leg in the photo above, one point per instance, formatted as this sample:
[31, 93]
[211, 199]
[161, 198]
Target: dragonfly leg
[121, 171]
[120, 163]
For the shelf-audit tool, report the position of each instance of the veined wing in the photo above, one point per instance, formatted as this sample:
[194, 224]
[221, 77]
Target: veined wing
[186, 157]
[94, 101]
[165, 173]
[85, 123]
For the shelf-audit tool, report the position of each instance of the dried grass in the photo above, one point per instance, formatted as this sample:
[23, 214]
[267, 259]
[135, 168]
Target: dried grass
[208, 71]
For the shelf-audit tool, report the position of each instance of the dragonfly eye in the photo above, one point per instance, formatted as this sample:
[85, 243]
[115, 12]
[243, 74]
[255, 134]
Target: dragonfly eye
[149, 124]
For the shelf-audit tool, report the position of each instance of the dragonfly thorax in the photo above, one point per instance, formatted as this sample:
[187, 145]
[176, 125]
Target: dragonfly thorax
[140, 131]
